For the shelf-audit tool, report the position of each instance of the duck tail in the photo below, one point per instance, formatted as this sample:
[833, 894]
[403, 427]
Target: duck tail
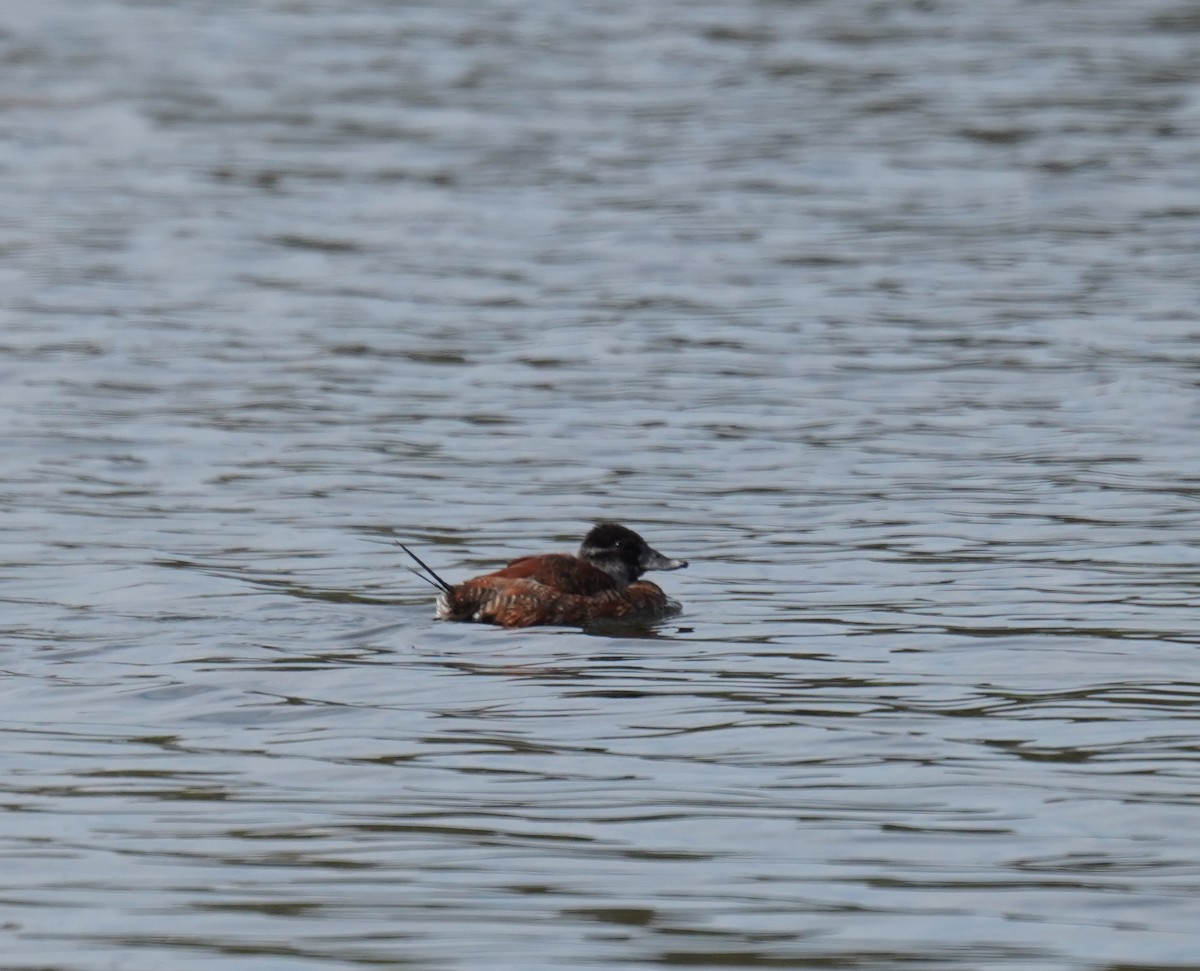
[429, 575]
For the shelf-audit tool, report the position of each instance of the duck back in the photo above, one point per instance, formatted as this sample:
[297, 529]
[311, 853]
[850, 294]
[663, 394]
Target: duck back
[558, 571]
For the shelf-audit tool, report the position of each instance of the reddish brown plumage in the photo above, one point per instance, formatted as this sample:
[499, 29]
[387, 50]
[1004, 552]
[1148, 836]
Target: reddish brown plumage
[559, 571]
[525, 601]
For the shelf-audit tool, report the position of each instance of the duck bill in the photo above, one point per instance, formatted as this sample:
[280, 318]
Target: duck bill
[654, 560]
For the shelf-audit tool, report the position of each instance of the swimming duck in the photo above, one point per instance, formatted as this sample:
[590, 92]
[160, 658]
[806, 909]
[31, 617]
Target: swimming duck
[601, 583]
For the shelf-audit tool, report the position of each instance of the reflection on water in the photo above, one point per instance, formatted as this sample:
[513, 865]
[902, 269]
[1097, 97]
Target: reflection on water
[882, 315]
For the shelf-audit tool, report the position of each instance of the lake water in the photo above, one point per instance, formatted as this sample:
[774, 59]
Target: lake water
[882, 314]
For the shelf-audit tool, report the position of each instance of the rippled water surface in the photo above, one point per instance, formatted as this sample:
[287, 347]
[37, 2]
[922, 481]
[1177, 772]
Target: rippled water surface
[882, 314]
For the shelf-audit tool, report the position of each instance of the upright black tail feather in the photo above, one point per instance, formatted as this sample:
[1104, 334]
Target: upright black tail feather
[429, 576]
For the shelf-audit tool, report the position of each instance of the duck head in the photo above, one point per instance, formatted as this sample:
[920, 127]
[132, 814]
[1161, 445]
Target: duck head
[622, 553]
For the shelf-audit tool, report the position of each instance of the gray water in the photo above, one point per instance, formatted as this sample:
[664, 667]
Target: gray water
[882, 314]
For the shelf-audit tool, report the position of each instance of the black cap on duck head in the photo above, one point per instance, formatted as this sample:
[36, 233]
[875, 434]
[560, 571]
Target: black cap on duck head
[622, 553]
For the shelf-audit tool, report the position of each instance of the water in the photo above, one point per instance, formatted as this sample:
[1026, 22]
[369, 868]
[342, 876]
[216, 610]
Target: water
[883, 315]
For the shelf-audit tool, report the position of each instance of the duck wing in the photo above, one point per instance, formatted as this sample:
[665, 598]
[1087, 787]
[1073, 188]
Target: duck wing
[560, 572]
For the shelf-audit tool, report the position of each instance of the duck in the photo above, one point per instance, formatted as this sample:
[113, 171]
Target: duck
[601, 583]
